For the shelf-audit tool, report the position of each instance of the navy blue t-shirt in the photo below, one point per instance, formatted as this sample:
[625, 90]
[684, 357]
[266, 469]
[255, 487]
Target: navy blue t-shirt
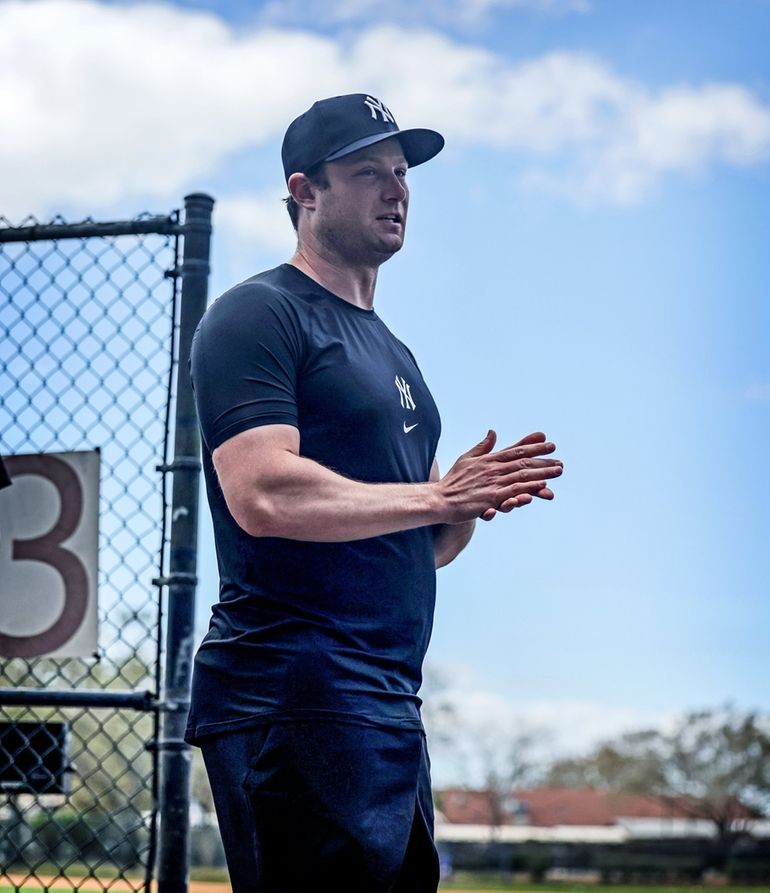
[304, 629]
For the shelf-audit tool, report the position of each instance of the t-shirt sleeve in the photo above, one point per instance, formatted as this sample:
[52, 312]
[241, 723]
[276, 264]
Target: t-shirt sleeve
[244, 361]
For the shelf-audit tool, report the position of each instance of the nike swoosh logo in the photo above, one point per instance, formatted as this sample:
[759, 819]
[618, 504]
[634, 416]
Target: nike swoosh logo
[408, 428]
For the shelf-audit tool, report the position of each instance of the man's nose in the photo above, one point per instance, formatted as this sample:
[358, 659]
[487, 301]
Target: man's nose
[395, 188]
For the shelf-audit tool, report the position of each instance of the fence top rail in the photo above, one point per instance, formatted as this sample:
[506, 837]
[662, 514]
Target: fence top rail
[38, 232]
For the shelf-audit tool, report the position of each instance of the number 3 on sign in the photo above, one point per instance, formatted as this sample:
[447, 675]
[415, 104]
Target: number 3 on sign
[49, 541]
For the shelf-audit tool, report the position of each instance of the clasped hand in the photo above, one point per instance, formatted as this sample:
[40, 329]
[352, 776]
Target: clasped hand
[482, 483]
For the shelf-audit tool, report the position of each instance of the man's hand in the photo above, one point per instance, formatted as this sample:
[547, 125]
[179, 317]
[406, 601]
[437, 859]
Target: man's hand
[271, 490]
[482, 483]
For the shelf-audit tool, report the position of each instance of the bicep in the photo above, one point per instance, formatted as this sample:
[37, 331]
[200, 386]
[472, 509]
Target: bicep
[245, 462]
[435, 474]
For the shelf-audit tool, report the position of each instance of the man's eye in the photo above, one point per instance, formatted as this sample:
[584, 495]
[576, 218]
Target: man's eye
[401, 172]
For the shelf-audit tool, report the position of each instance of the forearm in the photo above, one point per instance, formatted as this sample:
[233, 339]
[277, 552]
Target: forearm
[272, 490]
[302, 500]
[450, 539]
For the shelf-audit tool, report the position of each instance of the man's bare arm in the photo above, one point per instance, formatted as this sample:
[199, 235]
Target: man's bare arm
[271, 490]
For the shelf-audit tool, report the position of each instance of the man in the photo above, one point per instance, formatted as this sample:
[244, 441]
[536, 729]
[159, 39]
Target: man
[330, 518]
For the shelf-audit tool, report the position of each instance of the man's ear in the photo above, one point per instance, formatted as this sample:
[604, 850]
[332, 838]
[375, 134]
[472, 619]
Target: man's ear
[302, 190]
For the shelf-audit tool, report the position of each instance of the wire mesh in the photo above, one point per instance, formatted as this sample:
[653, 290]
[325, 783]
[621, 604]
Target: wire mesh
[86, 359]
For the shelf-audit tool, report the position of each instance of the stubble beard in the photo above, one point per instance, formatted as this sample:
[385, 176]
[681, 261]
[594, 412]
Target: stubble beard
[347, 244]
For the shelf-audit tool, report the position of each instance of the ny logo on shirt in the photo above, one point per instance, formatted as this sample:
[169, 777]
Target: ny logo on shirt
[405, 393]
[374, 106]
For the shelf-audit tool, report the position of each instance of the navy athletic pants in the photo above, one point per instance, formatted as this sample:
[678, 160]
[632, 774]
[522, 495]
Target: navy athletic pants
[324, 806]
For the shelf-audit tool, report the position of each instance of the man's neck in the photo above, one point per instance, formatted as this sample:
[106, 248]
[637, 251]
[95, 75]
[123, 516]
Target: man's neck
[354, 284]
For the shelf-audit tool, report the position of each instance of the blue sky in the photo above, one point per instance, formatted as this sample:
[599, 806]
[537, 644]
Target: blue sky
[587, 257]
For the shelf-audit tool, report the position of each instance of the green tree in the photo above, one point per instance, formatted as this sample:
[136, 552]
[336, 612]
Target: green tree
[713, 764]
[633, 762]
[718, 764]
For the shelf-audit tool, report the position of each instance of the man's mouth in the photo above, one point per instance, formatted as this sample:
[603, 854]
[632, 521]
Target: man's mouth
[395, 218]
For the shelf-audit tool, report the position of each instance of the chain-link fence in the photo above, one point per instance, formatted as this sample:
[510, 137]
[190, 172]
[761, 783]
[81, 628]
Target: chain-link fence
[92, 334]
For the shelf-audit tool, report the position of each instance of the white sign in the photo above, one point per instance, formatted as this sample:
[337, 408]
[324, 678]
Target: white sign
[49, 545]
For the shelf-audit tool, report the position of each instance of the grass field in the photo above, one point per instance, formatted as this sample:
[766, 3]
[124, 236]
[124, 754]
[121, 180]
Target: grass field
[468, 883]
[477, 885]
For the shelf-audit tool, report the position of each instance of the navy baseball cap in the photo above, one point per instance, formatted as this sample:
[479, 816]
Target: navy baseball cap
[335, 127]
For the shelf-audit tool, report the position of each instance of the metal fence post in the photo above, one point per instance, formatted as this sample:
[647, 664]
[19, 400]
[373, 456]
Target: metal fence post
[173, 854]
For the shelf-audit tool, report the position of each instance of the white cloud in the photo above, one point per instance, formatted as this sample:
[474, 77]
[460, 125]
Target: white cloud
[453, 13]
[476, 10]
[102, 102]
[481, 725]
[681, 129]
[248, 220]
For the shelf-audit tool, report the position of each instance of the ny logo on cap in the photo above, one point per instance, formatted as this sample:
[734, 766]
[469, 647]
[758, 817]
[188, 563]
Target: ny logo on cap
[374, 106]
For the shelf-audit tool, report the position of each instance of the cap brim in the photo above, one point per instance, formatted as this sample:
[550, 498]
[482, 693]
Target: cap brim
[419, 144]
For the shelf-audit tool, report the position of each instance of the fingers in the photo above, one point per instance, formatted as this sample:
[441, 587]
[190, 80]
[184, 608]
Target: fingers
[501, 481]
[528, 447]
[522, 450]
[527, 477]
[514, 502]
[517, 502]
[486, 445]
[539, 491]
[534, 437]
[522, 489]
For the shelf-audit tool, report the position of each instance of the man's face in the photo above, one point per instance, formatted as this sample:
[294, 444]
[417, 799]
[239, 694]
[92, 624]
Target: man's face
[361, 216]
